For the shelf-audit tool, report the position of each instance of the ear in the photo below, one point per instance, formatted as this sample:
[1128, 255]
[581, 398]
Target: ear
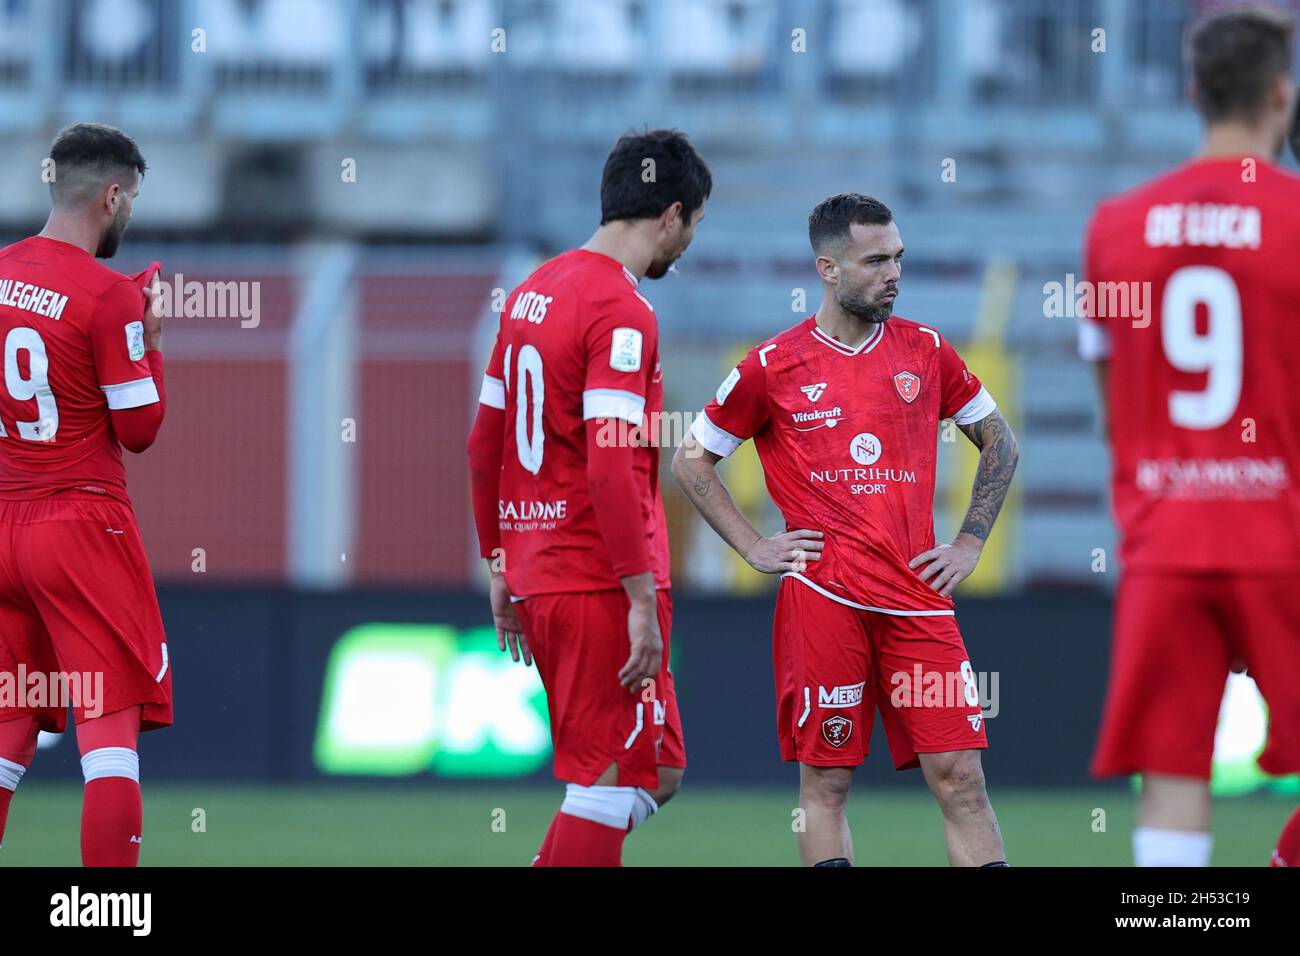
[670, 215]
[1282, 90]
[828, 269]
[112, 196]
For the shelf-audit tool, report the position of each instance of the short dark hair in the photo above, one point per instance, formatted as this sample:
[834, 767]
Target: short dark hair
[832, 217]
[1235, 56]
[87, 156]
[679, 175]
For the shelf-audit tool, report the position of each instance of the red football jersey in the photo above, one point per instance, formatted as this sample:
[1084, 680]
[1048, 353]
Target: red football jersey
[577, 341]
[848, 439]
[1203, 412]
[73, 334]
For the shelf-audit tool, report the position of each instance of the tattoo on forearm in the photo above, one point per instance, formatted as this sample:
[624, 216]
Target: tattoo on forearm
[999, 454]
[702, 486]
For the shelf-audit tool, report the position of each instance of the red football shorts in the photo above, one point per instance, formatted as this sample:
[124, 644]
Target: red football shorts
[1176, 637]
[836, 665]
[579, 643]
[78, 609]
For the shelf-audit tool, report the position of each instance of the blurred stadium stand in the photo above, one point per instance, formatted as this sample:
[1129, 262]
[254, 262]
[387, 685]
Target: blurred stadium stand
[477, 130]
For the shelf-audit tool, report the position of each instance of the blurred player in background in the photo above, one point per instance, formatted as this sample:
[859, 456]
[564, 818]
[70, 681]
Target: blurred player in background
[1201, 403]
[845, 409]
[564, 469]
[83, 378]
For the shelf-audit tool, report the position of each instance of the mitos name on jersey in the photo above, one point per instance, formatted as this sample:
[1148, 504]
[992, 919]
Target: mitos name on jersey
[531, 306]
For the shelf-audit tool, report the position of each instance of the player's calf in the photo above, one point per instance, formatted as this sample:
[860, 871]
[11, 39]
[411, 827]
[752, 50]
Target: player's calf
[825, 839]
[112, 812]
[1173, 822]
[956, 778]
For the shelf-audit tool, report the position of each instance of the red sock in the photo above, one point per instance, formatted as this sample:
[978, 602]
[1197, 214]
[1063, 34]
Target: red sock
[1288, 844]
[112, 816]
[17, 748]
[580, 842]
[544, 854]
[5, 797]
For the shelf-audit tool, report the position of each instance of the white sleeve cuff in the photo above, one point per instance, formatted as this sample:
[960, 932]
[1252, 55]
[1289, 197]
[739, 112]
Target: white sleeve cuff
[1094, 341]
[714, 438]
[135, 394]
[493, 392]
[978, 408]
[612, 403]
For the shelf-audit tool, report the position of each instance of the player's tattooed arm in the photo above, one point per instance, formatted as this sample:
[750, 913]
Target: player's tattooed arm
[695, 469]
[945, 566]
[999, 454]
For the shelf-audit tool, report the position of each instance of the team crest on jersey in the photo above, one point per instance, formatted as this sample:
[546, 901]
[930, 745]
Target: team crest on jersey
[908, 385]
[814, 391]
[837, 730]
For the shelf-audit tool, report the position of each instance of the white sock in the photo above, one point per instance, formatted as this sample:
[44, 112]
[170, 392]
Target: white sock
[10, 774]
[608, 806]
[644, 808]
[1152, 847]
[111, 762]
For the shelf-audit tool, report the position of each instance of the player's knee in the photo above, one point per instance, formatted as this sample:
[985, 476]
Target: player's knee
[957, 778]
[826, 786]
[670, 781]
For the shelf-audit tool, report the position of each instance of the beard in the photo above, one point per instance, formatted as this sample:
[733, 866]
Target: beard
[112, 238]
[858, 305]
[659, 267]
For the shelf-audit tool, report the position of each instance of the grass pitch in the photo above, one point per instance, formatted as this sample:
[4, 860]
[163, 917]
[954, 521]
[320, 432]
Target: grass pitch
[440, 825]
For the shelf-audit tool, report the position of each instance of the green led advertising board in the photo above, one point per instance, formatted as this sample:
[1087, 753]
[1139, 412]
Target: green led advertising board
[407, 699]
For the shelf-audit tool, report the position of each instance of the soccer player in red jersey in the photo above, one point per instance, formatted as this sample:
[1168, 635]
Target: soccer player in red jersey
[1194, 300]
[567, 503]
[844, 409]
[83, 378]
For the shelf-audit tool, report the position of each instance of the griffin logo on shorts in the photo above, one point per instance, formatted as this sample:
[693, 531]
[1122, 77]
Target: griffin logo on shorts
[837, 730]
[908, 385]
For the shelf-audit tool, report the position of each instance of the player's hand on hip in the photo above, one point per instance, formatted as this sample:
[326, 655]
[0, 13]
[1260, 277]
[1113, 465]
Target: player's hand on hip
[786, 552]
[947, 565]
[646, 643]
[509, 632]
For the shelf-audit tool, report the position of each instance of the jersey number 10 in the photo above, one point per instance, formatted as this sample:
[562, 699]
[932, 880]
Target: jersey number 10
[530, 450]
